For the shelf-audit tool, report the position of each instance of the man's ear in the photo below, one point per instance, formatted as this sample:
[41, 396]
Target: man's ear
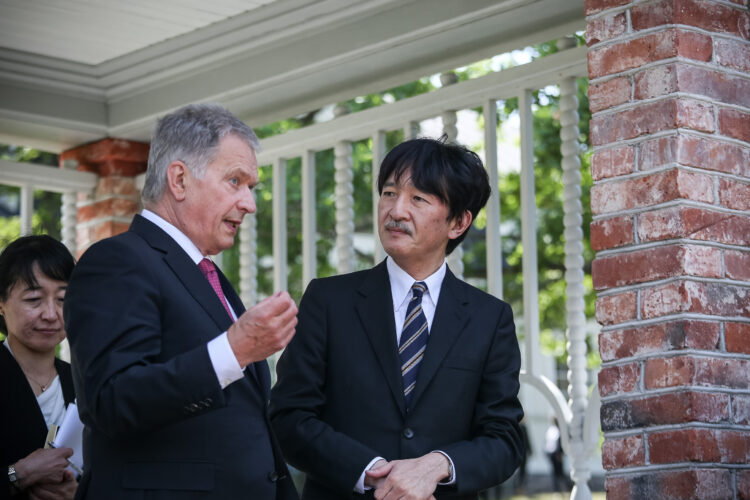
[460, 224]
[177, 179]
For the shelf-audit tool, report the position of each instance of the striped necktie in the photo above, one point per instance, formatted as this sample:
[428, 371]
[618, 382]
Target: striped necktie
[413, 340]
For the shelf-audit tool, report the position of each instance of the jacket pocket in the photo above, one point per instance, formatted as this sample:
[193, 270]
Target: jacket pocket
[186, 476]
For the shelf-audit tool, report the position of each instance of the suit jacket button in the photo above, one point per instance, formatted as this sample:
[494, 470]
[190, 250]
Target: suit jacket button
[408, 433]
[273, 476]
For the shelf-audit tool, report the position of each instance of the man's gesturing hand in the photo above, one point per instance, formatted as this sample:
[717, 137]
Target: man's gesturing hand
[413, 479]
[263, 329]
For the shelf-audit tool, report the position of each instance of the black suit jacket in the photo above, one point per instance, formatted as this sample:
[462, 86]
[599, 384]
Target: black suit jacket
[339, 398]
[22, 426]
[139, 314]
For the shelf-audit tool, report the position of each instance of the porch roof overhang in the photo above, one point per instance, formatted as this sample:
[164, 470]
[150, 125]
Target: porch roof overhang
[278, 60]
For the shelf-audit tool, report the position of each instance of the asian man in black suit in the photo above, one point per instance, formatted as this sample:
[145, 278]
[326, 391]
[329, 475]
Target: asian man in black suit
[169, 367]
[402, 380]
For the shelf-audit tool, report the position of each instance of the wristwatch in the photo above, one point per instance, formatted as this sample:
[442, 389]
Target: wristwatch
[13, 477]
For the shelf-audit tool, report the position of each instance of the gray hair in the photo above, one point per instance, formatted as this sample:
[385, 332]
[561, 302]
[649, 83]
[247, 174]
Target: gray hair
[191, 135]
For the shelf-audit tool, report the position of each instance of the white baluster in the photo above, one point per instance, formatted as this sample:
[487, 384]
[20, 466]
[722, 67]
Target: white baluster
[411, 130]
[378, 153]
[279, 225]
[249, 260]
[494, 250]
[309, 236]
[455, 259]
[27, 209]
[344, 177]
[574, 276]
[69, 220]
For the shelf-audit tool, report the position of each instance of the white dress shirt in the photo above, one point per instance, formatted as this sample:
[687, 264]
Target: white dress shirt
[223, 360]
[401, 283]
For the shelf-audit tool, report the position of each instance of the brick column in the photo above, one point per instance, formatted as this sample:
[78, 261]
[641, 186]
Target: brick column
[670, 96]
[116, 198]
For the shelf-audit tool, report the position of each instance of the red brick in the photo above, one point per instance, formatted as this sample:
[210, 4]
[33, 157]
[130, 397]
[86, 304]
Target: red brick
[669, 336]
[619, 379]
[612, 162]
[701, 14]
[649, 190]
[737, 265]
[734, 194]
[623, 452]
[711, 154]
[658, 152]
[669, 372]
[654, 82]
[612, 309]
[116, 185]
[692, 297]
[608, 94]
[632, 54]
[716, 85]
[699, 445]
[722, 372]
[112, 207]
[631, 123]
[591, 7]
[735, 123]
[737, 337]
[741, 409]
[679, 408]
[676, 222]
[605, 28]
[732, 230]
[743, 484]
[654, 264]
[732, 54]
[704, 484]
[110, 157]
[695, 115]
[611, 233]
[695, 46]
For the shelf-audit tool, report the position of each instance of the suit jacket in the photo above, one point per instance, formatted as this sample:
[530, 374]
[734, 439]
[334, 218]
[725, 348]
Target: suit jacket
[139, 314]
[339, 399]
[22, 426]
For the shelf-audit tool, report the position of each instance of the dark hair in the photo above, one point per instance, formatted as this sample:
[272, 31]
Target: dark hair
[451, 172]
[18, 259]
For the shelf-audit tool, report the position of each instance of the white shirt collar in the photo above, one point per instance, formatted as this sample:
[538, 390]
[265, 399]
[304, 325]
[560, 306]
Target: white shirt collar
[401, 283]
[176, 235]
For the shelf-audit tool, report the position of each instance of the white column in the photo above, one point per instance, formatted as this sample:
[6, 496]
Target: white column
[309, 235]
[69, 219]
[344, 177]
[249, 260]
[455, 259]
[378, 153]
[279, 225]
[27, 208]
[574, 276]
[528, 231]
[411, 130]
[492, 233]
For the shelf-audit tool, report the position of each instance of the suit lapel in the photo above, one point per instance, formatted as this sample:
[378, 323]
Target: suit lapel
[191, 277]
[450, 319]
[375, 309]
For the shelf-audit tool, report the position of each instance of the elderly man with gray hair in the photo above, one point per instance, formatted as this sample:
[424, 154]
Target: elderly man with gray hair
[169, 367]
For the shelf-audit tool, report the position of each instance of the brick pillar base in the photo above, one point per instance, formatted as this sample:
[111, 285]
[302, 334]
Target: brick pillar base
[669, 92]
[116, 198]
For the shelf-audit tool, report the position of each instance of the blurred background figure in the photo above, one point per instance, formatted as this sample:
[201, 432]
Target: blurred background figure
[36, 386]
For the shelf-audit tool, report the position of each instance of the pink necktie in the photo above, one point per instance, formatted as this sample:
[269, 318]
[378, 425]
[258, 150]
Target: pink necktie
[208, 269]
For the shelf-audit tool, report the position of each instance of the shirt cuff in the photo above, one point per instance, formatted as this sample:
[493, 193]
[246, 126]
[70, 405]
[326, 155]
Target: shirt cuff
[225, 364]
[452, 478]
[360, 486]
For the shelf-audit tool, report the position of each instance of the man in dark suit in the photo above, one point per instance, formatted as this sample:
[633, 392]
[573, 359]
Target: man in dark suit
[402, 380]
[168, 366]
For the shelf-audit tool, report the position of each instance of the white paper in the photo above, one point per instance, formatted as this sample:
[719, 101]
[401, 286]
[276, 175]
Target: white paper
[70, 435]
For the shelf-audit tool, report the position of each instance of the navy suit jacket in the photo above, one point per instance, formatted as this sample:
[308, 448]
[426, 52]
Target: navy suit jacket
[139, 314]
[339, 401]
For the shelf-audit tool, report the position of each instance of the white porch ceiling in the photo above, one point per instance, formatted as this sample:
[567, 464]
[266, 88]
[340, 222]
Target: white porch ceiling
[73, 71]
